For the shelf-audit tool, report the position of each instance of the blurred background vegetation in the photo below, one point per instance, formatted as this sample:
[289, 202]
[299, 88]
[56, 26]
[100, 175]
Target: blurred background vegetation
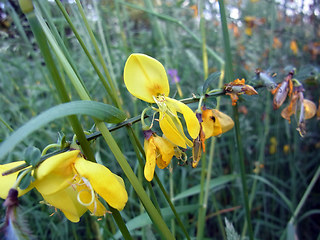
[274, 36]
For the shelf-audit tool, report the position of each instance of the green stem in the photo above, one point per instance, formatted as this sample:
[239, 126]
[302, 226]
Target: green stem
[150, 208]
[242, 171]
[64, 97]
[305, 196]
[6, 124]
[226, 42]
[114, 91]
[122, 226]
[85, 49]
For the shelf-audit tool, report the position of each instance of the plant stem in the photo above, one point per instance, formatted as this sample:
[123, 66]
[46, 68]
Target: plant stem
[242, 170]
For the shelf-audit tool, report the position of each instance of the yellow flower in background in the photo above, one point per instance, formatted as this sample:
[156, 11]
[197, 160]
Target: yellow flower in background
[72, 184]
[294, 47]
[158, 151]
[146, 79]
[273, 145]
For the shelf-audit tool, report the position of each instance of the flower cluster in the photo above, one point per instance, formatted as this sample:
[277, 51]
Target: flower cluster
[69, 182]
[146, 79]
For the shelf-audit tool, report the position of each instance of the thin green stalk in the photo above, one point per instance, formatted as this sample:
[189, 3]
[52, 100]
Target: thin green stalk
[104, 42]
[171, 193]
[114, 91]
[305, 196]
[203, 40]
[202, 201]
[242, 170]
[41, 40]
[229, 77]
[177, 217]
[202, 206]
[122, 227]
[85, 49]
[59, 39]
[6, 124]
[152, 211]
[226, 42]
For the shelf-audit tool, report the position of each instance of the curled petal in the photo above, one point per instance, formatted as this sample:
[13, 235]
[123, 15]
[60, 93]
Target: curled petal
[145, 77]
[55, 173]
[150, 149]
[166, 150]
[103, 182]
[7, 181]
[191, 120]
[66, 201]
[90, 200]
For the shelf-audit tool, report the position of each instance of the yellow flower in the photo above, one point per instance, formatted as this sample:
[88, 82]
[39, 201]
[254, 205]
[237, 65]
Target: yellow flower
[215, 123]
[70, 183]
[158, 150]
[212, 123]
[146, 79]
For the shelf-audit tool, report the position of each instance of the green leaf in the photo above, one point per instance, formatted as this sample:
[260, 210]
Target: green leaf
[32, 155]
[26, 180]
[267, 182]
[214, 183]
[213, 78]
[143, 219]
[100, 111]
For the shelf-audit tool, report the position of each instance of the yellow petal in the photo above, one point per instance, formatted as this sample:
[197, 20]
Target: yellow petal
[145, 77]
[55, 173]
[225, 121]
[190, 118]
[171, 132]
[66, 201]
[166, 150]
[211, 125]
[150, 149]
[310, 108]
[103, 182]
[7, 181]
